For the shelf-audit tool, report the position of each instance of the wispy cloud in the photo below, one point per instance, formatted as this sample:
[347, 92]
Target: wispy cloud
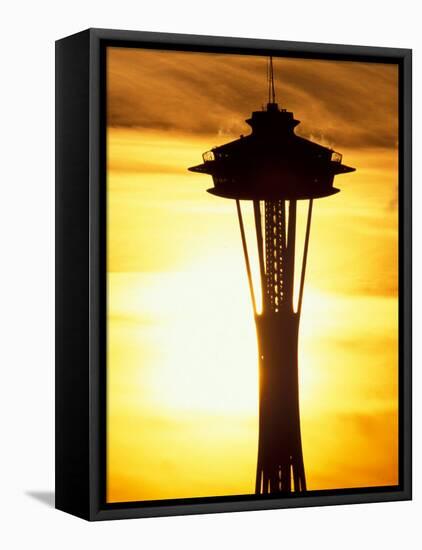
[342, 103]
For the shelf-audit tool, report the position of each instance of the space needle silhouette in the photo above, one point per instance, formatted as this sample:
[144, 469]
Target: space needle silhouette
[274, 168]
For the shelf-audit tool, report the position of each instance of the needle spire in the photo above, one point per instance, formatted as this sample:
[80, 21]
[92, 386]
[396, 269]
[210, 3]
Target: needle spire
[271, 86]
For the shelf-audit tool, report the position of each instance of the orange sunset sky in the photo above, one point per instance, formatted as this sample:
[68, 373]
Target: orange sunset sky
[182, 391]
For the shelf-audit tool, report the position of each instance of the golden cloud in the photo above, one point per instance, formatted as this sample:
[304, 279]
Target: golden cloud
[343, 103]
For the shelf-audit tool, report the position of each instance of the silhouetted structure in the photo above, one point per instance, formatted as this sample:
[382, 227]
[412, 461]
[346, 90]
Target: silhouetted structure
[275, 168]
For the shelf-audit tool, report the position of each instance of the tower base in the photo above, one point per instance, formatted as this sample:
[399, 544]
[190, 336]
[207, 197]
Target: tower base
[280, 466]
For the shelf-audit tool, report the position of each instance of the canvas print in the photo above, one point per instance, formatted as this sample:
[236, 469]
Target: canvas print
[252, 275]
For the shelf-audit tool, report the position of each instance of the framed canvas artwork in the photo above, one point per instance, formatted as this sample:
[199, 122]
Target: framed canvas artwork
[233, 280]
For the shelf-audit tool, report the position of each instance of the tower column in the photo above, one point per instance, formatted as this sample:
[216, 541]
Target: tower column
[280, 459]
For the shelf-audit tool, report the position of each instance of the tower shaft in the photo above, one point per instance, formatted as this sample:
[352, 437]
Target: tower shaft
[280, 459]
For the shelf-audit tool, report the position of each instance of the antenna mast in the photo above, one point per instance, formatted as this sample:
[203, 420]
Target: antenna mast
[271, 87]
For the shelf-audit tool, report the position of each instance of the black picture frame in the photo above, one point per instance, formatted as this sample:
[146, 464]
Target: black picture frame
[80, 272]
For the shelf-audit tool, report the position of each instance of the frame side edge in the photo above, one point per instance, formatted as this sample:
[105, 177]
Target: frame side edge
[72, 256]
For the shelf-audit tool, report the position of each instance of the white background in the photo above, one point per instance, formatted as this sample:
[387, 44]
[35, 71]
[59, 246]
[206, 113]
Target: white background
[27, 39]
